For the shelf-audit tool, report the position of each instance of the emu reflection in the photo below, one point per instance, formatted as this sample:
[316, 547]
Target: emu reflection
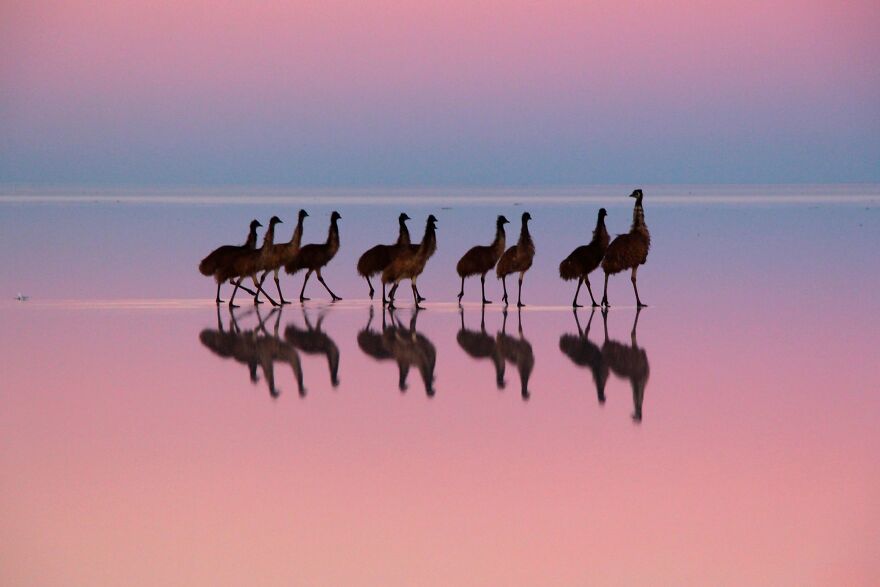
[584, 353]
[255, 348]
[629, 362]
[405, 345]
[517, 351]
[479, 344]
[314, 341]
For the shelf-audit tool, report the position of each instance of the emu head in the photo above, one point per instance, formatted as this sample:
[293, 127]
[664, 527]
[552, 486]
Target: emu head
[335, 216]
[502, 221]
[403, 217]
[302, 214]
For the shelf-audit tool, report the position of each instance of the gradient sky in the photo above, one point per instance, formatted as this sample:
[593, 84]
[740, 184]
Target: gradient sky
[438, 93]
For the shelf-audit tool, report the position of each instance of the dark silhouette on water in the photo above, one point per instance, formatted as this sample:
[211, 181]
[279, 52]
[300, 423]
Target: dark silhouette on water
[281, 254]
[411, 348]
[372, 342]
[584, 259]
[628, 251]
[377, 258]
[517, 259]
[408, 264]
[314, 341]
[630, 362]
[517, 351]
[218, 264]
[481, 259]
[254, 348]
[314, 257]
[584, 353]
[479, 344]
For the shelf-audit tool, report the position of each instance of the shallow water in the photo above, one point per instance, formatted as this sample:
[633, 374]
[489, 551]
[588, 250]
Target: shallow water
[724, 435]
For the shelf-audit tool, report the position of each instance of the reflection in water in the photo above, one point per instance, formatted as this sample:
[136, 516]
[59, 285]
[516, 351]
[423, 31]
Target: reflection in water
[629, 362]
[518, 351]
[314, 341]
[407, 346]
[254, 347]
[584, 353]
[480, 345]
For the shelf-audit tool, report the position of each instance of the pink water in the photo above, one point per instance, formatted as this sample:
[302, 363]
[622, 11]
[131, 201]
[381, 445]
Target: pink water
[134, 453]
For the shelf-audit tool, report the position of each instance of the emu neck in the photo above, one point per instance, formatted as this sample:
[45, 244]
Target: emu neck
[525, 237]
[403, 236]
[639, 218]
[333, 236]
[269, 237]
[296, 238]
[499, 243]
[429, 242]
[251, 241]
[600, 233]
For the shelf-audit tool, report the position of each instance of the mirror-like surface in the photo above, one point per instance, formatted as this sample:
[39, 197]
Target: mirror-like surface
[727, 434]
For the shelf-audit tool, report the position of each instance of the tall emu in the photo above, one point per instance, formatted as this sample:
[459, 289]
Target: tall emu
[315, 256]
[377, 258]
[314, 341]
[481, 259]
[282, 253]
[585, 353]
[584, 259]
[519, 352]
[517, 258]
[409, 264]
[248, 263]
[221, 257]
[628, 251]
[630, 362]
[479, 344]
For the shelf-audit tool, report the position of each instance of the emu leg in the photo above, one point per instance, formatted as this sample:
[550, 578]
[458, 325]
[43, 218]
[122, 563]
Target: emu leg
[483, 288]
[519, 303]
[372, 291]
[302, 297]
[504, 283]
[391, 295]
[384, 299]
[217, 299]
[574, 303]
[327, 287]
[590, 289]
[420, 296]
[262, 280]
[605, 294]
[260, 289]
[278, 287]
[639, 303]
[232, 298]
[415, 295]
[242, 286]
[461, 293]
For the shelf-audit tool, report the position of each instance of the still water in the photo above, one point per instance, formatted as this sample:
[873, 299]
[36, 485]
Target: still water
[726, 434]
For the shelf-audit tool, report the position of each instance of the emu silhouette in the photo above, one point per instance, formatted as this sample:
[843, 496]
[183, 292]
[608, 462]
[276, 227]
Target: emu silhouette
[314, 257]
[517, 259]
[377, 258]
[218, 263]
[281, 254]
[585, 259]
[479, 344]
[411, 348]
[480, 260]
[314, 341]
[409, 265]
[628, 251]
[630, 362]
[517, 351]
[585, 353]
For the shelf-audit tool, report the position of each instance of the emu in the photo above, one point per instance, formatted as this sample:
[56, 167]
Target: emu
[478, 344]
[411, 348]
[517, 258]
[585, 353]
[585, 259]
[628, 251]
[409, 264]
[316, 256]
[221, 257]
[377, 258]
[282, 253]
[248, 263]
[481, 259]
[630, 362]
[519, 352]
[314, 341]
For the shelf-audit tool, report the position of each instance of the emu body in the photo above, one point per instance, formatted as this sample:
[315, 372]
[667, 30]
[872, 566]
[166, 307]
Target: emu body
[585, 259]
[314, 257]
[479, 260]
[216, 264]
[628, 251]
[517, 259]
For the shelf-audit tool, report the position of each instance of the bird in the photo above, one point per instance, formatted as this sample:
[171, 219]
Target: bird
[410, 348]
[371, 341]
[630, 362]
[316, 256]
[377, 258]
[282, 253]
[481, 345]
[220, 257]
[519, 352]
[628, 251]
[247, 263]
[585, 353]
[314, 341]
[517, 259]
[481, 259]
[410, 264]
[586, 258]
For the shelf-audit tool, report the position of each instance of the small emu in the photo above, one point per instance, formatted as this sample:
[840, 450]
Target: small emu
[586, 258]
[628, 251]
[377, 258]
[481, 259]
[517, 258]
[316, 256]
[213, 265]
[282, 253]
[409, 264]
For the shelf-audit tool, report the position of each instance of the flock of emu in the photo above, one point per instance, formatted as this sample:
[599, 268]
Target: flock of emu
[405, 260]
